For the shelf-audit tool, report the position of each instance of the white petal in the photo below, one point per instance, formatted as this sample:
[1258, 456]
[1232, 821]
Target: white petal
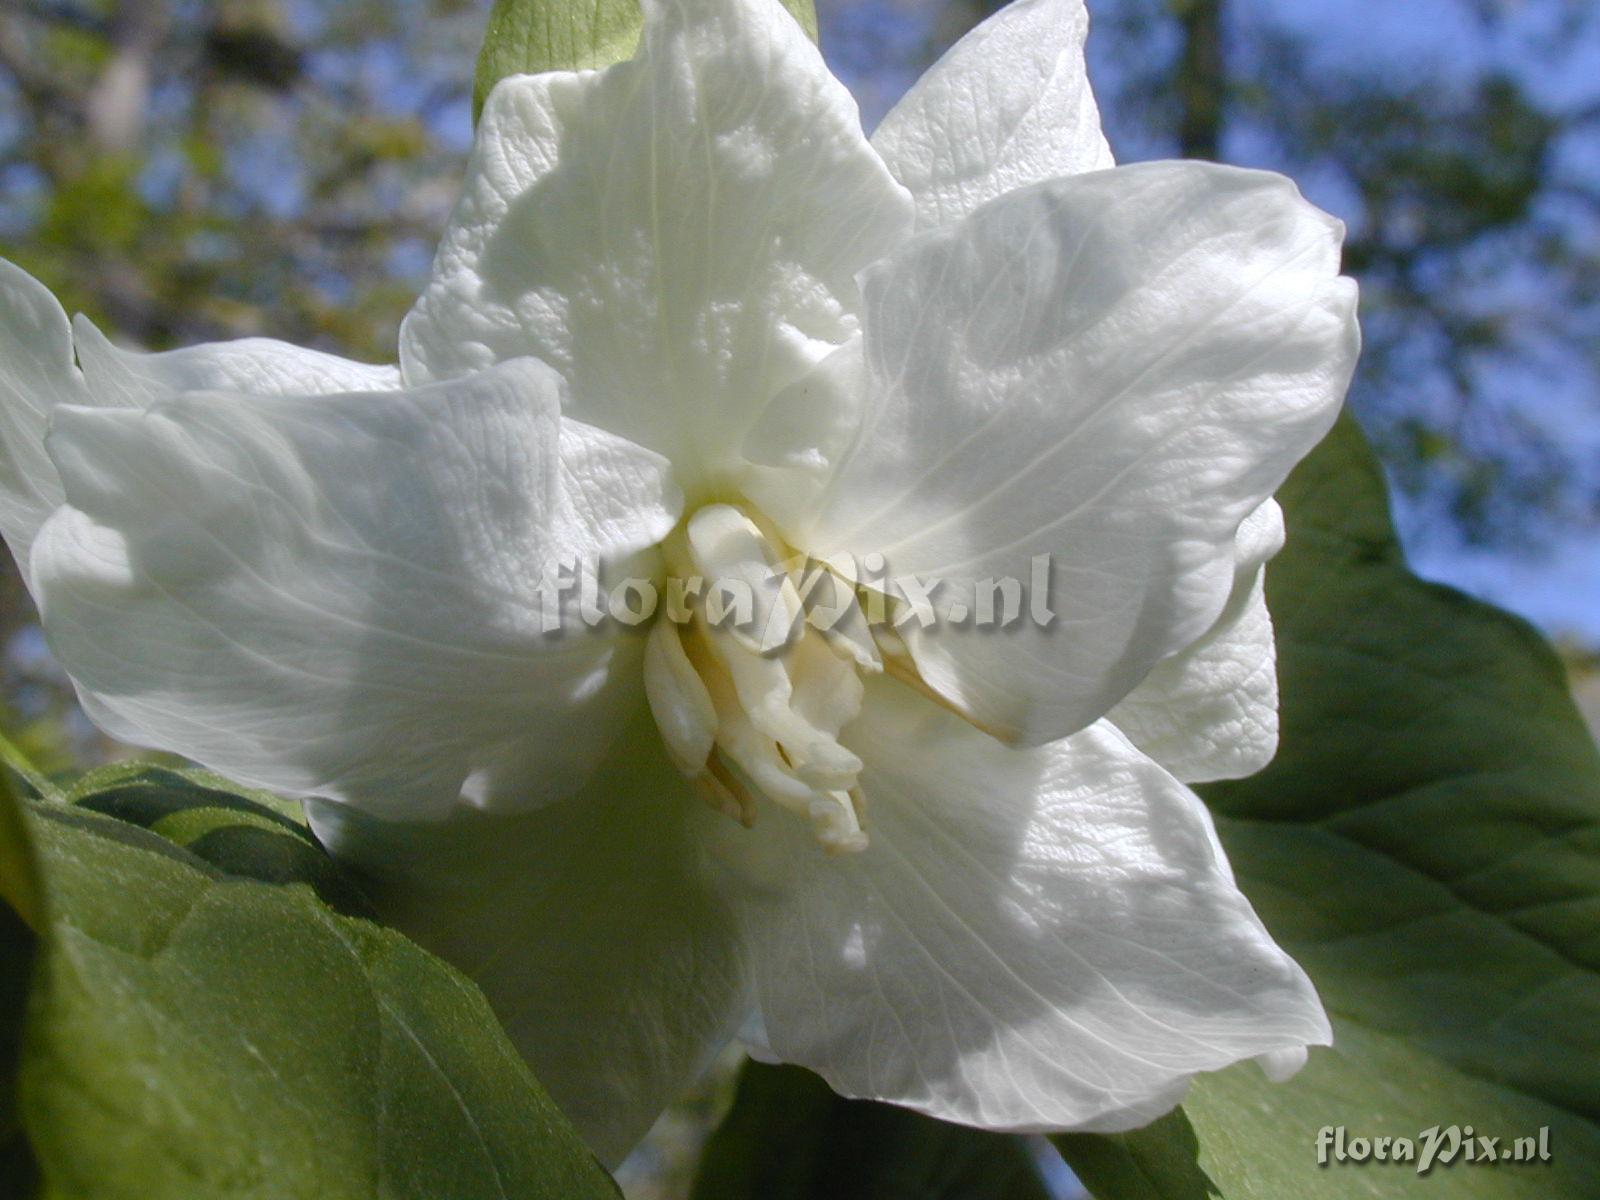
[1032, 940]
[1113, 370]
[614, 969]
[1280, 1066]
[1008, 105]
[795, 443]
[1211, 711]
[616, 500]
[37, 373]
[679, 235]
[255, 366]
[336, 595]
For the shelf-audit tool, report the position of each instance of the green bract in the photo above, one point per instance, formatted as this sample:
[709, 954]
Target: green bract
[528, 36]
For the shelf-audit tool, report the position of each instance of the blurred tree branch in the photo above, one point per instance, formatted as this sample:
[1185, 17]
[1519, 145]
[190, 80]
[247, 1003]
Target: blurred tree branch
[1202, 78]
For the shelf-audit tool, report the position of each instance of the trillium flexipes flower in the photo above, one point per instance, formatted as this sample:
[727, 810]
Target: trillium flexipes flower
[687, 320]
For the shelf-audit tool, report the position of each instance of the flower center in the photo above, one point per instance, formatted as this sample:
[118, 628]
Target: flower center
[754, 670]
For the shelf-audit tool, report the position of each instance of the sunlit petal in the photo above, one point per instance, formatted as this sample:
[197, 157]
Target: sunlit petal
[1008, 105]
[37, 372]
[1036, 939]
[255, 366]
[678, 235]
[338, 595]
[1211, 710]
[1113, 371]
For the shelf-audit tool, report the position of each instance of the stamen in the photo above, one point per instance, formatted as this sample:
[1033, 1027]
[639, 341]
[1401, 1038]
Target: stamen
[755, 715]
[718, 798]
[744, 804]
[837, 822]
[678, 699]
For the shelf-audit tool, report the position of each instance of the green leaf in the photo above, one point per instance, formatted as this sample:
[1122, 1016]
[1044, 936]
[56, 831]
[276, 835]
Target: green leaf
[15, 764]
[1427, 844]
[21, 915]
[191, 1032]
[246, 833]
[20, 887]
[529, 36]
[788, 1137]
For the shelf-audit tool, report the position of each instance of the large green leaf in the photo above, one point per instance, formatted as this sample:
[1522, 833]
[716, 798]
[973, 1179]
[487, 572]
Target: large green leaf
[1427, 844]
[528, 36]
[193, 1032]
[788, 1137]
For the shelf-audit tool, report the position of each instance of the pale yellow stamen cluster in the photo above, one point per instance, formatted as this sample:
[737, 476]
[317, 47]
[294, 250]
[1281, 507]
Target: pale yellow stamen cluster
[752, 705]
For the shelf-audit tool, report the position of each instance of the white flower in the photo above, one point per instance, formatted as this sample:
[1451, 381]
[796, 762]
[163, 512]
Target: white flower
[687, 319]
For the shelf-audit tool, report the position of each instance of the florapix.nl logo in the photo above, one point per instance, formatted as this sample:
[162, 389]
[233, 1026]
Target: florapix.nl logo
[1436, 1146]
[768, 603]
